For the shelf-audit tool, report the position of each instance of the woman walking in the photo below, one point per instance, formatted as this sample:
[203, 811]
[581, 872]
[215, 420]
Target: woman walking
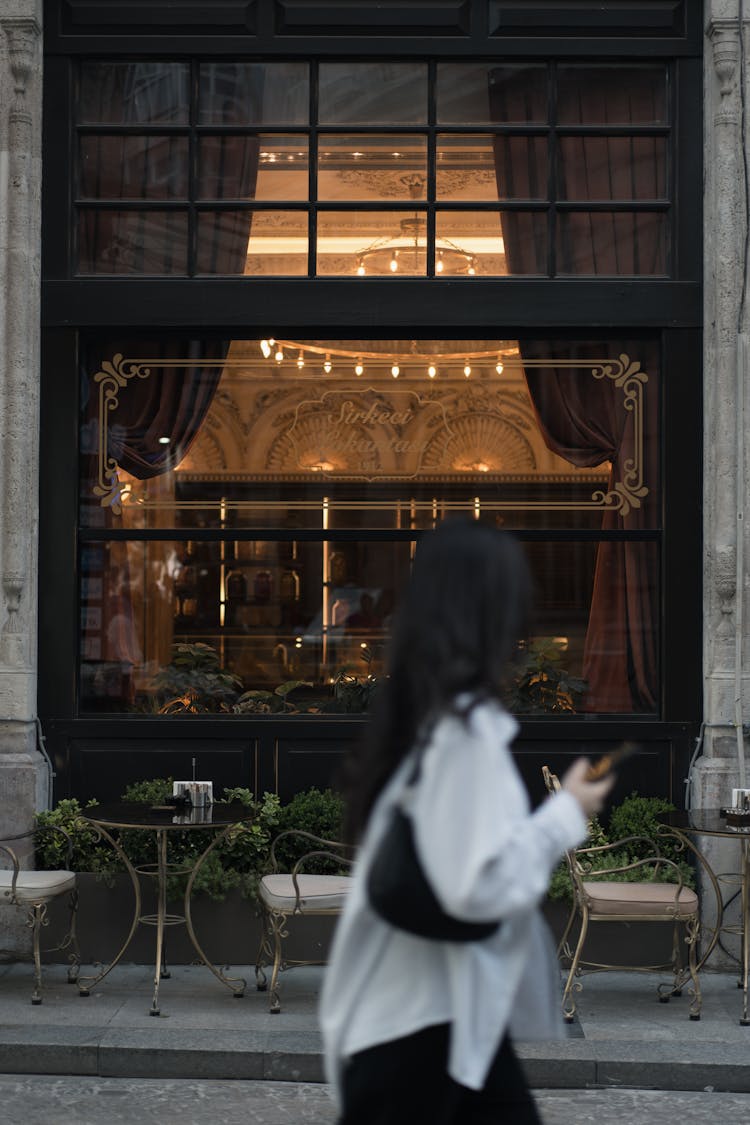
[417, 1030]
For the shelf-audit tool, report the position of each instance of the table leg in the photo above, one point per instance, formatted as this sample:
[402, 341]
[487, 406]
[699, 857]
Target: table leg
[236, 984]
[85, 984]
[744, 1021]
[161, 912]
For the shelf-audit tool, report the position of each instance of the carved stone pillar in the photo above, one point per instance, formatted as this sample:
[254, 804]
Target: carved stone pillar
[23, 775]
[724, 239]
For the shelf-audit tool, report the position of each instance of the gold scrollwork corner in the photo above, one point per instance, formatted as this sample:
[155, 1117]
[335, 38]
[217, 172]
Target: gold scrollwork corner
[626, 494]
[113, 376]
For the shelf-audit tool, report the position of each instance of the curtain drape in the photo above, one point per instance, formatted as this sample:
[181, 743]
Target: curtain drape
[584, 421]
[581, 418]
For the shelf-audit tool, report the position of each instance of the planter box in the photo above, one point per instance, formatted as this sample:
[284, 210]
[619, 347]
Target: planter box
[228, 931]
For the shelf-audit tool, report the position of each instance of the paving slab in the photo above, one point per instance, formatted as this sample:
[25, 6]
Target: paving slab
[622, 1036]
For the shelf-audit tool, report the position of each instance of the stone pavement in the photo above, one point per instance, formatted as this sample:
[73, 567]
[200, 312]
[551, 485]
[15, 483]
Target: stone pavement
[39, 1099]
[624, 1038]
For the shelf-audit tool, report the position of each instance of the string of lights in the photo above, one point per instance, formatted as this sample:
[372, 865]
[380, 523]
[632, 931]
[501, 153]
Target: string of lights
[326, 358]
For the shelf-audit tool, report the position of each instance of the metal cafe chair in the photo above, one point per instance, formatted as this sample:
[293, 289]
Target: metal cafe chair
[284, 894]
[599, 899]
[32, 891]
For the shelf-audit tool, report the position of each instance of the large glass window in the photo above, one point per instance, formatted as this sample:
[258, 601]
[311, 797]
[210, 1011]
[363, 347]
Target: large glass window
[249, 511]
[365, 168]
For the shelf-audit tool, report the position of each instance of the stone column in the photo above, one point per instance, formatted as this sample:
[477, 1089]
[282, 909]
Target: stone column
[725, 604]
[23, 773]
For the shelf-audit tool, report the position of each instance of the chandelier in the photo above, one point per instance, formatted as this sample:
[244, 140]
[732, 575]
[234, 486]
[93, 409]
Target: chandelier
[406, 251]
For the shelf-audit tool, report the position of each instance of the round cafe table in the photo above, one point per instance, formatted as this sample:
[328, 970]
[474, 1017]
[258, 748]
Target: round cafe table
[161, 820]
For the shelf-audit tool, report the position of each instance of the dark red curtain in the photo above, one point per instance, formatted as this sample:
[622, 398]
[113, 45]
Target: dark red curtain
[583, 419]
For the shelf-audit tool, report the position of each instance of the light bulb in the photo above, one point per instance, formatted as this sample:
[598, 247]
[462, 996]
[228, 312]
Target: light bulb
[471, 270]
[432, 371]
[395, 371]
[439, 264]
[265, 347]
[327, 365]
[359, 369]
[279, 357]
[300, 361]
[393, 264]
[467, 369]
[360, 268]
[499, 367]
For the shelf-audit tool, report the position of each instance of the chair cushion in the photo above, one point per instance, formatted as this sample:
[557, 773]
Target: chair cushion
[317, 892]
[651, 899]
[37, 886]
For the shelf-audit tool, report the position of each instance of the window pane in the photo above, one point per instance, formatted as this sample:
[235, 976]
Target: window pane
[130, 93]
[266, 613]
[372, 243]
[485, 236]
[607, 654]
[612, 94]
[612, 168]
[252, 242]
[126, 167]
[217, 435]
[484, 93]
[309, 436]
[371, 166]
[132, 242]
[489, 168]
[269, 612]
[237, 93]
[612, 243]
[373, 93]
[264, 167]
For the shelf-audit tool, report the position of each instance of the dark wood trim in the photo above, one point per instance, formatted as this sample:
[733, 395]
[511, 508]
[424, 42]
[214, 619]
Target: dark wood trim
[321, 305]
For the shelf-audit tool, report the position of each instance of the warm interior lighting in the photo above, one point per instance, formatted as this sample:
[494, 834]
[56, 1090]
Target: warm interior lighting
[395, 371]
[407, 360]
[432, 370]
[279, 357]
[467, 369]
[301, 360]
[327, 366]
[499, 366]
[164, 441]
[359, 369]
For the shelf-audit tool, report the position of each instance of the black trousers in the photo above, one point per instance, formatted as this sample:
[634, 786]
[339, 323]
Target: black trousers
[405, 1082]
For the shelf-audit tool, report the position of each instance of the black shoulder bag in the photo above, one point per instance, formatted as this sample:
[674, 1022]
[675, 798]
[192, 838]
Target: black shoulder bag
[400, 893]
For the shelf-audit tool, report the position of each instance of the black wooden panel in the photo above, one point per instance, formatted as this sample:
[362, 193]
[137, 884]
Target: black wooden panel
[588, 17]
[153, 16]
[368, 17]
[102, 768]
[649, 772]
[299, 763]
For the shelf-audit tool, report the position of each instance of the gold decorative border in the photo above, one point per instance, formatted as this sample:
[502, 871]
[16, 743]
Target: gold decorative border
[624, 372]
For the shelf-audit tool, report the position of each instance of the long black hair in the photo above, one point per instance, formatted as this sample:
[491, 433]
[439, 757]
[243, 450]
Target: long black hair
[455, 631]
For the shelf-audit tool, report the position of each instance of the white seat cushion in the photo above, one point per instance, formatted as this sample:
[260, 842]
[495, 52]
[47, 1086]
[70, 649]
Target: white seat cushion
[37, 886]
[640, 898]
[317, 892]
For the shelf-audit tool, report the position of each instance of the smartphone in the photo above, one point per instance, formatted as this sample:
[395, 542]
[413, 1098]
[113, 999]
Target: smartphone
[609, 762]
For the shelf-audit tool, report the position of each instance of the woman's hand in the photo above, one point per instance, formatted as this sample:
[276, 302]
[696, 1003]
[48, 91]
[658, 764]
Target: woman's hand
[589, 794]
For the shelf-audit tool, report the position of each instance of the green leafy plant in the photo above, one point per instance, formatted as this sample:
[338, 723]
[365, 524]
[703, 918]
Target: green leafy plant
[635, 816]
[541, 683]
[319, 812]
[269, 702]
[89, 852]
[195, 682]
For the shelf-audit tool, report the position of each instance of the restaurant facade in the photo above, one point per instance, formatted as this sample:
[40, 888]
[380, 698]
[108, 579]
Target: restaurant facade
[503, 282]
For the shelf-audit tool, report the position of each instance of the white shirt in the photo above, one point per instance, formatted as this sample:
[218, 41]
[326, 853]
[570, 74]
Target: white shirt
[486, 856]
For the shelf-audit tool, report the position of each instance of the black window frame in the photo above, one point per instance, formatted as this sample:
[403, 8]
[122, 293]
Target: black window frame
[341, 308]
